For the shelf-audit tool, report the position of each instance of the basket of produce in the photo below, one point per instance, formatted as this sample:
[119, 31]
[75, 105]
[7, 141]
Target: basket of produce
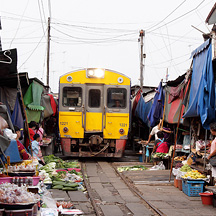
[15, 197]
[158, 156]
[194, 175]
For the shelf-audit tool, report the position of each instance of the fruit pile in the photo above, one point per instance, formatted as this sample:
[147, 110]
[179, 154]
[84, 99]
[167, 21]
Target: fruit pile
[194, 174]
[185, 168]
[180, 158]
[178, 165]
[64, 204]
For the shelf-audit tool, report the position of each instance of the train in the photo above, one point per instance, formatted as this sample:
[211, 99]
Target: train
[94, 113]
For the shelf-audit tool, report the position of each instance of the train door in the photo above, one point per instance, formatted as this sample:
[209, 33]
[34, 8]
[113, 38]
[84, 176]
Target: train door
[94, 108]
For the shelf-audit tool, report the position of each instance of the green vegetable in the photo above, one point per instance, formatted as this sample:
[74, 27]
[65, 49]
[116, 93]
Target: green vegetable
[70, 189]
[73, 172]
[71, 185]
[58, 182]
[58, 187]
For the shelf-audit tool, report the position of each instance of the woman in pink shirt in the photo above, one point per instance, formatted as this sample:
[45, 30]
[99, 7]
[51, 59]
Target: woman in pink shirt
[213, 147]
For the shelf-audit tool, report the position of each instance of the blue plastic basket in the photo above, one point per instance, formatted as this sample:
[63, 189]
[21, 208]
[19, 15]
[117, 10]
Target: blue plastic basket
[192, 188]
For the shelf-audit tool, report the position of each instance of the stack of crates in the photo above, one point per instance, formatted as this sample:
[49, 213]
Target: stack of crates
[192, 188]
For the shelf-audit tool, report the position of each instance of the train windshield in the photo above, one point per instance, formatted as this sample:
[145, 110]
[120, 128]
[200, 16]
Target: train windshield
[94, 98]
[116, 97]
[72, 96]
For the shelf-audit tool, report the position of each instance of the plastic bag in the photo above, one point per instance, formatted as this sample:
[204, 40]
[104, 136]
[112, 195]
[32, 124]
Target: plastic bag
[160, 166]
[8, 133]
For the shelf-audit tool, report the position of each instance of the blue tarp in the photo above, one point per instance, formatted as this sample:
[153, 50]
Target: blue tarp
[202, 92]
[156, 111]
[13, 152]
[143, 109]
[17, 116]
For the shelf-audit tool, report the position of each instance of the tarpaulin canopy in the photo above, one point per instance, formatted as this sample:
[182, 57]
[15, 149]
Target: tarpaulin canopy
[202, 92]
[32, 100]
[156, 111]
[17, 115]
[142, 110]
[173, 103]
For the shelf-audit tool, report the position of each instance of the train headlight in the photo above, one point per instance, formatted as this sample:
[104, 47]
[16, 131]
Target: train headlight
[121, 130]
[95, 73]
[65, 129]
[99, 73]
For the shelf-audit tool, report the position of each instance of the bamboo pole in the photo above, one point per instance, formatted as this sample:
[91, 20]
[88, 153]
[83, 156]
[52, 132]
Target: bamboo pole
[24, 110]
[164, 110]
[176, 135]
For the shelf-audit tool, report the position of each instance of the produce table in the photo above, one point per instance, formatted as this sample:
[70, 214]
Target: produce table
[47, 148]
[150, 148]
[211, 188]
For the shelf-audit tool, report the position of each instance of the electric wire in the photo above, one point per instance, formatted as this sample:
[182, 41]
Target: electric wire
[32, 51]
[41, 16]
[19, 24]
[179, 16]
[167, 15]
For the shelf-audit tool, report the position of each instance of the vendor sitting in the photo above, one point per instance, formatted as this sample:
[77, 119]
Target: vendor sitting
[160, 145]
[23, 153]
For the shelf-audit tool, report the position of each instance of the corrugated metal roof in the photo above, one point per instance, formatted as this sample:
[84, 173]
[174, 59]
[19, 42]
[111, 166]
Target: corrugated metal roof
[211, 18]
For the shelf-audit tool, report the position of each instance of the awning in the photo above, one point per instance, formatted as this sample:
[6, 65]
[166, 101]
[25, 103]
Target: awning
[202, 92]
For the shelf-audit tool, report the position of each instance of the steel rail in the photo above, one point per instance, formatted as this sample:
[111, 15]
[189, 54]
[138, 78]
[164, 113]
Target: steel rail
[138, 193]
[89, 190]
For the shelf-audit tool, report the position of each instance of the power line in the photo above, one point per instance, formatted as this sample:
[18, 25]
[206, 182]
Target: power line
[19, 24]
[179, 16]
[167, 16]
[32, 52]
[41, 16]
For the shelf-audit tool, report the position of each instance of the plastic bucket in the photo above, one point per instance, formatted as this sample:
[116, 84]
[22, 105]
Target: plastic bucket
[180, 184]
[207, 198]
[175, 182]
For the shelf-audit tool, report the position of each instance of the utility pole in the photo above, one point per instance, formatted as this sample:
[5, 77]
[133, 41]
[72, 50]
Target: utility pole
[142, 34]
[167, 75]
[0, 36]
[48, 50]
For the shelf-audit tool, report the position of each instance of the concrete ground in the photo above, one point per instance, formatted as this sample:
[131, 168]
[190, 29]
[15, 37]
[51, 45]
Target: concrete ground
[156, 189]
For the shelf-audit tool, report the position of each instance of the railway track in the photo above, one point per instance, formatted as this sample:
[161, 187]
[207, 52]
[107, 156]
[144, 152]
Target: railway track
[109, 190]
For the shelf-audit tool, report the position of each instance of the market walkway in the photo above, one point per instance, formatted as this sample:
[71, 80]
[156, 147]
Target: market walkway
[163, 195]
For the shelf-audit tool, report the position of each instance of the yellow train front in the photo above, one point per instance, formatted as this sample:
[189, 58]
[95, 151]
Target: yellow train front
[94, 107]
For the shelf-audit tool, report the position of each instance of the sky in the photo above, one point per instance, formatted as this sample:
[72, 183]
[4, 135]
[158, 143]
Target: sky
[104, 34]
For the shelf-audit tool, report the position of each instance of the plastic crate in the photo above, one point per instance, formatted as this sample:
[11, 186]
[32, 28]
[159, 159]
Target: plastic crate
[192, 188]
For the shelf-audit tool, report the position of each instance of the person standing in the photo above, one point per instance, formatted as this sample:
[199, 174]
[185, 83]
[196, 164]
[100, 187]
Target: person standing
[167, 134]
[32, 127]
[213, 148]
[154, 132]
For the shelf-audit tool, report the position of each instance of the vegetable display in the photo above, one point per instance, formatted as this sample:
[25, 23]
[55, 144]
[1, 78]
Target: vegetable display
[131, 168]
[62, 179]
[159, 155]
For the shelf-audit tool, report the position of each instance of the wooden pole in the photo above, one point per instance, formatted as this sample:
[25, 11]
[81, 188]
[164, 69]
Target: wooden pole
[175, 140]
[48, 50]
[24, 110]
[163, 111]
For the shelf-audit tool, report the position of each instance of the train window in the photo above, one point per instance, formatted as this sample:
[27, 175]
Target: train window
[94, 98]
[116, 97]
[72, 96]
